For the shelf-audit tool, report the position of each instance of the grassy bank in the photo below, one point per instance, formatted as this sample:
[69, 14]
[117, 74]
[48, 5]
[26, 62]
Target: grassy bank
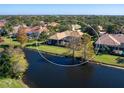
[8, 82]
[55, 50]
[109, 59]
[11, 83]
[9, 41]
[50, 49]
[103, 58]
[1, 49]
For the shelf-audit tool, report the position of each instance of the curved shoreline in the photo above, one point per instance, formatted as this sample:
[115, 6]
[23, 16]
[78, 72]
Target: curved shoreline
[108, 65]
[92, 61]
[91, 68]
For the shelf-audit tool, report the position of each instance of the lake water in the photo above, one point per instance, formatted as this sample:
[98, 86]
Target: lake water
[42, 74]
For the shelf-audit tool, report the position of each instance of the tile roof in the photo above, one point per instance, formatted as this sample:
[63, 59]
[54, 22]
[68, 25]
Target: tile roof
[111, 39]
[1, 40]
[2, 23]
[31, 29]
[61, 35]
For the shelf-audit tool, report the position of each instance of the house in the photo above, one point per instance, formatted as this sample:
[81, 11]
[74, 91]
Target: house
[1, 40]
[32, 32]
[112, 42]
[101, 30]
[75, 27]
[121, 30]
[63, 38]
[53, 24]
[2, 23]
[15, 30]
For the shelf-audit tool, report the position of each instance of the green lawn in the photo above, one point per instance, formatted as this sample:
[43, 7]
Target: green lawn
[11, 83]
[1, 49]
[50, 49]
[9, 41]
[108, 59]
[55, 50]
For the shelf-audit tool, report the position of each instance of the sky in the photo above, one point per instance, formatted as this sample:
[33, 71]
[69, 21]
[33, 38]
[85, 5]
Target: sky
[62, 9]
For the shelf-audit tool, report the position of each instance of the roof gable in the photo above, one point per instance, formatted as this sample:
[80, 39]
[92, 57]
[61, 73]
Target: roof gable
[61, 35]
[111, 39]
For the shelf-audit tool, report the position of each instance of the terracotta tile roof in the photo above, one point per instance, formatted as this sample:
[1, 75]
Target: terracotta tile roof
[2, 23]
[59, 36]
[54, 24]
[111, 39]
[38, 29]
[31, 29]
[1, 40]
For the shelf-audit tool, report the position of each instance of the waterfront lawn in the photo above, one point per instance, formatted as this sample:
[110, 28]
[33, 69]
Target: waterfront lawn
[10, 41]
[109, 59]
[55, 50]
[50, 49]
[1, 49]
[11, 83]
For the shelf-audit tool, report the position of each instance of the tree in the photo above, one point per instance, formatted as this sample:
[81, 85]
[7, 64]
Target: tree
[90, 31]
[82, 45]
[112, 28]
[74, 44]
[5, 66]
[13, 63]
[22, 36]
[43, 37]
[64, 26]
[87, 47]
[8, 28]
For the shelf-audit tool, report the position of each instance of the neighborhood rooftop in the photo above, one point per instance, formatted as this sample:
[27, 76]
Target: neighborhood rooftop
[111, 39]
[2, 23]
[31, 29]
[61, 35]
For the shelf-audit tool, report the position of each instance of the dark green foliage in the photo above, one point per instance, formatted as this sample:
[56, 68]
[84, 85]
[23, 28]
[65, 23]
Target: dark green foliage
[111, 24]
[112, 28]
[120, 60]
[5, 67]
[43, 36]
[13, 63]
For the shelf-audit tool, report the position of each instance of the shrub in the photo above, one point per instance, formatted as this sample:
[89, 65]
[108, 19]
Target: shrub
[13, 63]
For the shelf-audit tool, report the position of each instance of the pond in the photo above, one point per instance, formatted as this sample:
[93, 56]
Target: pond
[42, 74]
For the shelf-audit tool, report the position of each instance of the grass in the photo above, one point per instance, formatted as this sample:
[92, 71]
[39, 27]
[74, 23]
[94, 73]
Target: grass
[108, 59]
[1, 49]
[50, 49]
[11, 83]
[56, 50]
[9, 41]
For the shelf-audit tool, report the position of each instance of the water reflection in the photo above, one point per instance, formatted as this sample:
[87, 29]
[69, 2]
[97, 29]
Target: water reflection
[44, 74]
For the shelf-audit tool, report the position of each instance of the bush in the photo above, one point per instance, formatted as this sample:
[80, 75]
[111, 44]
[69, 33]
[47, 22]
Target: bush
[13, 63]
